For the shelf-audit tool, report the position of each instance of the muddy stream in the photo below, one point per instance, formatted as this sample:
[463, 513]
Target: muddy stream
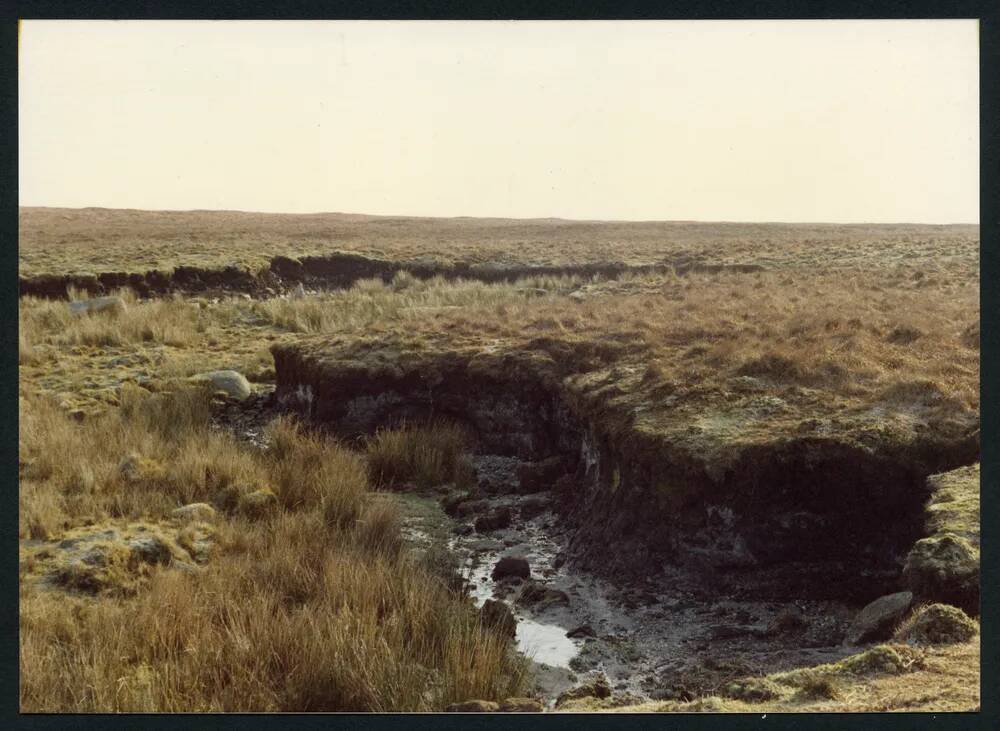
[667, 637]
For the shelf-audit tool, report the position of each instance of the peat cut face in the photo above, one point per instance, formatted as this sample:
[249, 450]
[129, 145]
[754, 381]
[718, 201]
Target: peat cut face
[784, 517]
[338, 270]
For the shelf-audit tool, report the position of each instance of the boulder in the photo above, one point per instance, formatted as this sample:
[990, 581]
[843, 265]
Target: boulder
[97, 304]
[540, 595]
[193, 512]
[493, 520]
[511, 566]
[944, 568]
[232, 383]
[877, 620]
[473, 706]
[521, 705]
[497, 615]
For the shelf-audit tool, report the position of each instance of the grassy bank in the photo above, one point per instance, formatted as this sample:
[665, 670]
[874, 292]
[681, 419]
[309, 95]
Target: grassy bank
[309, 604]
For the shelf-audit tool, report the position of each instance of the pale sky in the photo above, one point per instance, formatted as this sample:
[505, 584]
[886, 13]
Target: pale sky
[839, 121]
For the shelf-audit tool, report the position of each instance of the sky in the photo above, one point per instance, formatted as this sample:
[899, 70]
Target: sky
[834, 121]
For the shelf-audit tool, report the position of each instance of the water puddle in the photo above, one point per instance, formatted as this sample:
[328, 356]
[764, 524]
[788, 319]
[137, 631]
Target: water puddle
[545, 643]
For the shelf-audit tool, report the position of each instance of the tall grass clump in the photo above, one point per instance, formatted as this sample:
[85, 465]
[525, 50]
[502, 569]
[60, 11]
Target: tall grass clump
[170, 321]
[423, 455]
[312, 471]
[314, 606]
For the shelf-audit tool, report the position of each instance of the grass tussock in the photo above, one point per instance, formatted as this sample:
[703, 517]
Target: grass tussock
[425, 456]
[169, 321]
[371, 302]
[936, 624]
[313, 606]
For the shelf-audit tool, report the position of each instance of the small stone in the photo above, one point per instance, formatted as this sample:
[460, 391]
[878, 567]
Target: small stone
[534, 593]
[597, 687]
[521, 705]
[584, 630]
[473, 706]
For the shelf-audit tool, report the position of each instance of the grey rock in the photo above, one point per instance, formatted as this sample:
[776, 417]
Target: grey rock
[877, 620]
[233, 383]
[540, 595]
[97, 304]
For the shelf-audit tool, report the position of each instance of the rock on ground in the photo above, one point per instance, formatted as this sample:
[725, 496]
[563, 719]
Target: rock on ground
[539, 595]
[97, 304]
[473, 706]
[877, 620]
[511, 566]
[596, 687]
[521, 705]
[232, 383]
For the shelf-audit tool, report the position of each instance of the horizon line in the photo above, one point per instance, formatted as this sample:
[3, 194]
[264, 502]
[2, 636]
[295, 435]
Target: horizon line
[503, 218]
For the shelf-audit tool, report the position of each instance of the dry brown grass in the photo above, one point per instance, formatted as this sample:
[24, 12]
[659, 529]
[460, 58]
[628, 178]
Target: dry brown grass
[314, 607]
[422, 455]
[62, 241]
